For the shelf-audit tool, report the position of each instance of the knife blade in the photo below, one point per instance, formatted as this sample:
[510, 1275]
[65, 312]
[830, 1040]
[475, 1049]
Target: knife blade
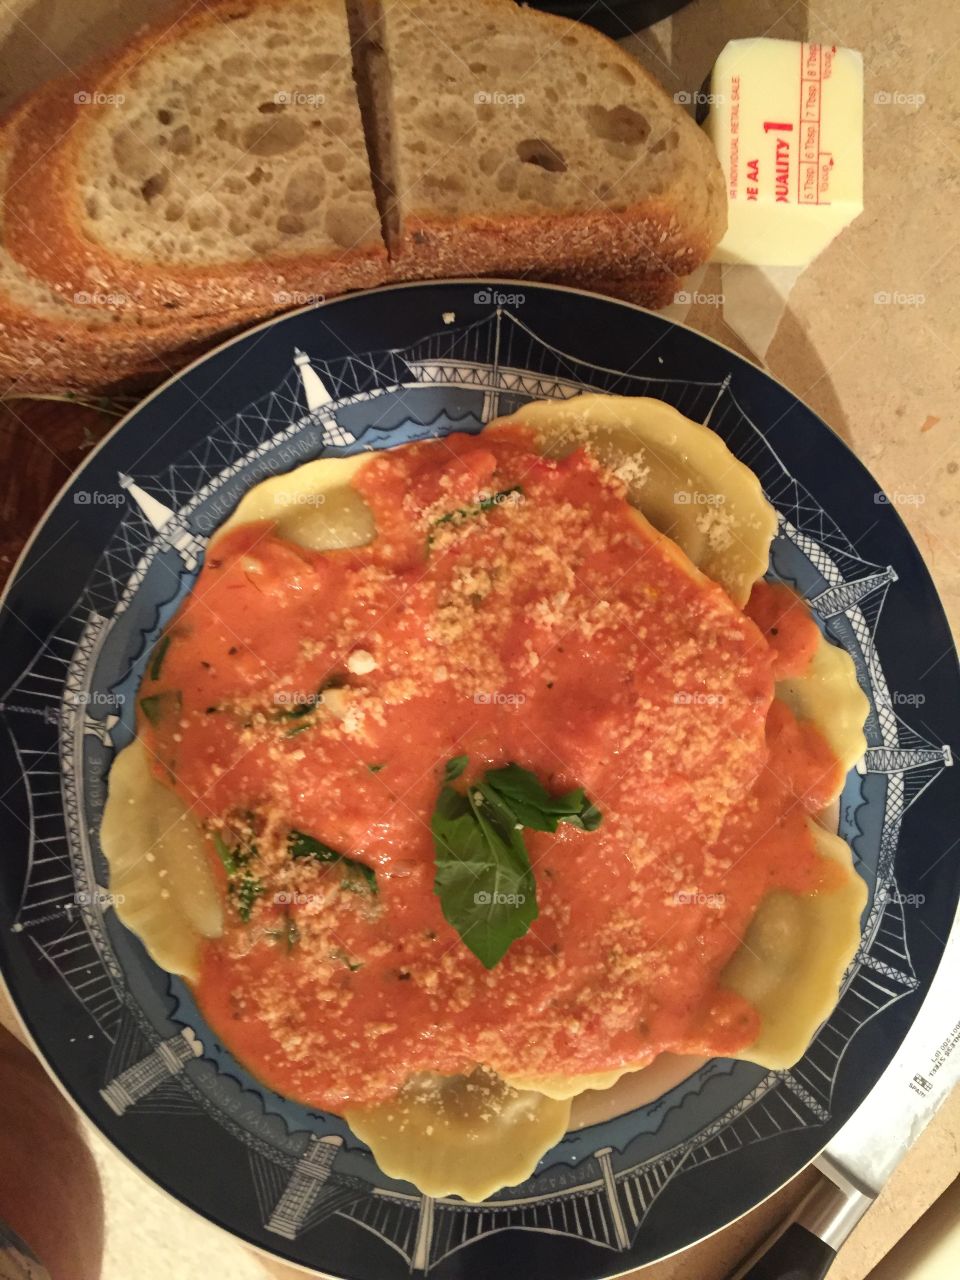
[862, 1155]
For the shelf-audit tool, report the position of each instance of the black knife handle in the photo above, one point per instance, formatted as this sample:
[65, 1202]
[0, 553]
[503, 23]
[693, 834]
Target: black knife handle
[807, 1245]
[796, 1254]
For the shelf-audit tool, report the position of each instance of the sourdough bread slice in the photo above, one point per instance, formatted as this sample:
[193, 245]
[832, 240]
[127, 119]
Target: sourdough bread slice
[511, 140]
[218, 162]
[49, 342]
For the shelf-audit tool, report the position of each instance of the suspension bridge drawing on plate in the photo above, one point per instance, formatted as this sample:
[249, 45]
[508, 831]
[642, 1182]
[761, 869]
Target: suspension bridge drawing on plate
[65, 730]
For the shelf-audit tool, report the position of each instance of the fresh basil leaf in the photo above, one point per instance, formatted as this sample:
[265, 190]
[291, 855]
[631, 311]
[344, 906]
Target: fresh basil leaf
[483, 875]
[454, 768]
[158, 706]
[357, 876]
[524, 793]
[158, 655]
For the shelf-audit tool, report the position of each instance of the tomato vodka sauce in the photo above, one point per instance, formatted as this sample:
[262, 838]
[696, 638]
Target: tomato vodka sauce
[518, 672]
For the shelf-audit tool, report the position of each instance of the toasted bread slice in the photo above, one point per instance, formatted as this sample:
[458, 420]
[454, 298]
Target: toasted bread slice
[215, 163]
[511, 140]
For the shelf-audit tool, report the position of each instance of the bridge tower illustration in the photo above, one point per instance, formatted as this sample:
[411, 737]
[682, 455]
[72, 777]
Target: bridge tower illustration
[620, 1233]
[305, 1186]
[842, 597]
[168, 1059]
[319, 401]
[903, 759]
[187, 546]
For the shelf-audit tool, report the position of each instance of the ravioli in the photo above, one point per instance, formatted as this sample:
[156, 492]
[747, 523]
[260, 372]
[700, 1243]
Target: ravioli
[680, 474]
[712, 521]
[160, 874]
[461, 1135]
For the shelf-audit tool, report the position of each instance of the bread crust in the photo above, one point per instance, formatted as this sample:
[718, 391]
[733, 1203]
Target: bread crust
[646, 239]
[46, 234]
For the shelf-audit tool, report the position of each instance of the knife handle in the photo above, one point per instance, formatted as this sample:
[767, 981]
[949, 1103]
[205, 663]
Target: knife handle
[805, 1246]
[796, 1254]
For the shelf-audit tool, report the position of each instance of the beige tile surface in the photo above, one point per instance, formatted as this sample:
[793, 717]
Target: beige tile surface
[886, 376]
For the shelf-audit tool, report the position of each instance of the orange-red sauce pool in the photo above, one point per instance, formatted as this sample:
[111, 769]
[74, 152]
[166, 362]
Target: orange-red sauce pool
[548, 627]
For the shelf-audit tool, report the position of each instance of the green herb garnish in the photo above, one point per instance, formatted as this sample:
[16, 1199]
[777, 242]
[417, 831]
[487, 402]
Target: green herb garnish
[288, 933]
[306, 708]
[485, 504]
[454, 768]
[159, 705]
[225, 854]
[244, 887]
[523, 792]
[245, 892]
[299, 709]
[375, 768]
[357, 876]
[158, 655]
[483, 878]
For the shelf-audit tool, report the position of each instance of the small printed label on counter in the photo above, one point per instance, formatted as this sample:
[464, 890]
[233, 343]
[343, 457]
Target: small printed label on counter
[923, 1081]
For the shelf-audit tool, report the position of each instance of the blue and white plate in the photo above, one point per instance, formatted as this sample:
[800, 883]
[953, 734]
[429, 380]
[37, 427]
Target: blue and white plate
[116, 554]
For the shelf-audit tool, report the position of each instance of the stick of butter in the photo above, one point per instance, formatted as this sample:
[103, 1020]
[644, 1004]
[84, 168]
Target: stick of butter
[786, 120]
